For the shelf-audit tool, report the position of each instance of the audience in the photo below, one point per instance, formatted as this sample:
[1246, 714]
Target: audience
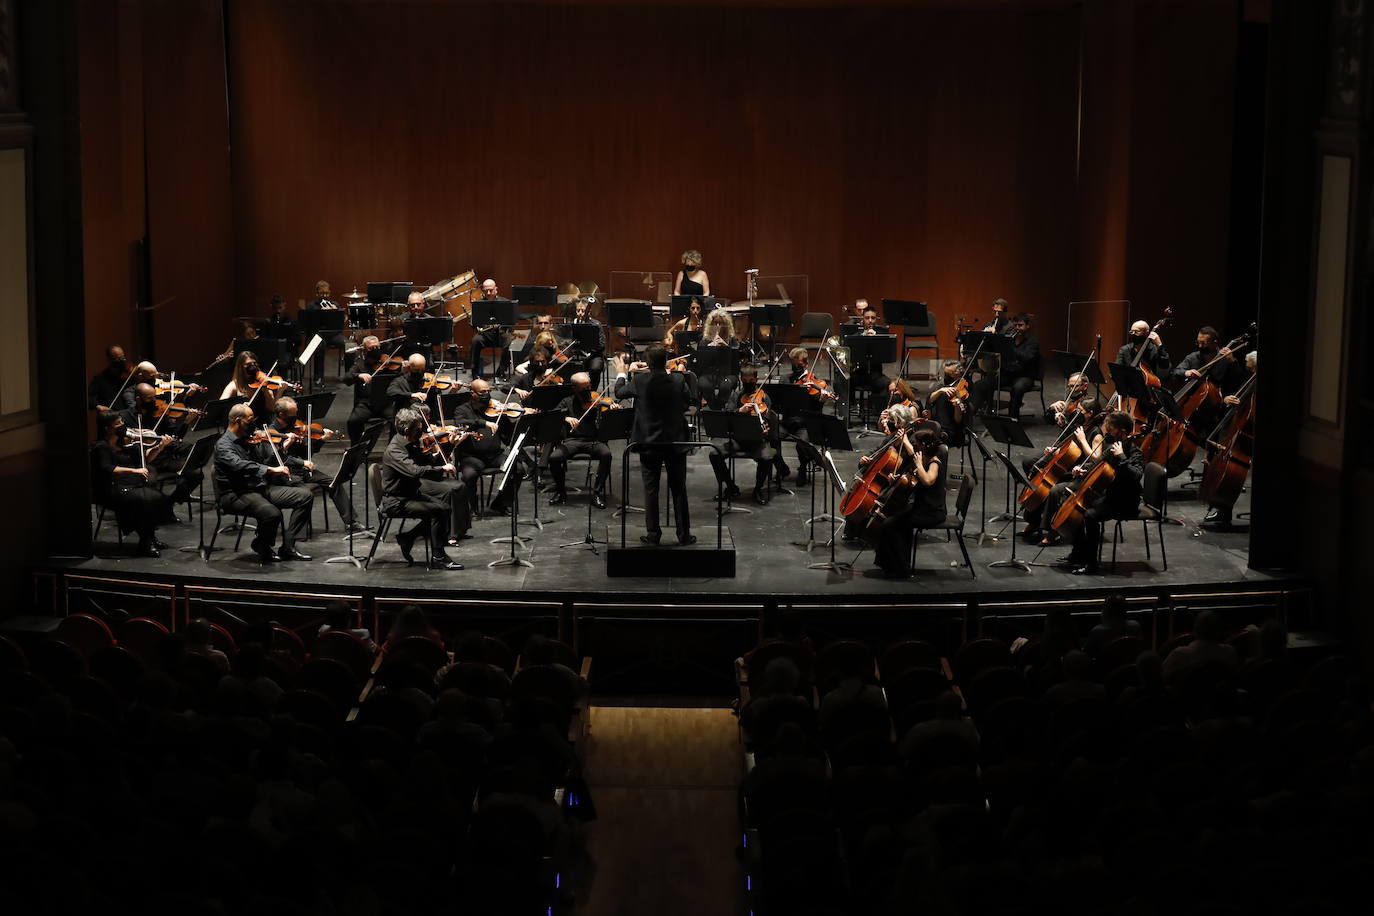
[339, 615]
[198, 635]
[1206, 650]
[1112, 625]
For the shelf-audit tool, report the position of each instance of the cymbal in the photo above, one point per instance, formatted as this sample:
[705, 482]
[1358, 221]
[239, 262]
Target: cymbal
[589, 290]
[355, 294]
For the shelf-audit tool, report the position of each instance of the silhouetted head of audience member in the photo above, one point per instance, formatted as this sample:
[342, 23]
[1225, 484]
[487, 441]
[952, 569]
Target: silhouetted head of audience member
[1078, 666]
[1207, 627]
[538, 651]
[410, 621]
[470, 647]
[339, 615]
[1114, 610]
[780, 678]
[198, 633]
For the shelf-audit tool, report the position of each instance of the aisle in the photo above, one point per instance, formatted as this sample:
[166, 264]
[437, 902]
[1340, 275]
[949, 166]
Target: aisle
[664, 782]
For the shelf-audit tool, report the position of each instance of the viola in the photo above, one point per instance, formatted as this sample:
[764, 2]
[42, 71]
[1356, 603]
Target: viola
[441, 381]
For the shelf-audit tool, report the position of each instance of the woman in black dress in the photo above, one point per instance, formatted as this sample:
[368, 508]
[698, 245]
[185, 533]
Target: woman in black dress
[692, 280]
[923, 460]
[121, 481]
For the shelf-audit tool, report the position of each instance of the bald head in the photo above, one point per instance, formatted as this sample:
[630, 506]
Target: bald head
[489, 288]
[416, 363]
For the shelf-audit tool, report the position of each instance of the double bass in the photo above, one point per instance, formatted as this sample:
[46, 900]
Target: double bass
[1234, 438]
[1173, 441]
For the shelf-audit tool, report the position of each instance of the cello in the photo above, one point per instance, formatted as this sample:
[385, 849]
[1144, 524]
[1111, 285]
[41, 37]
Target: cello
[1173, 441]
[1090, 490]
[1151, 380]
[1056, 467]
[878, 487]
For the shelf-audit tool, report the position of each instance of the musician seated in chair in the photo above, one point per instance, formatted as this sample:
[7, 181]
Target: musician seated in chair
[753, 401]
[583, 419]
[944, 405]
[284, 418]
[1019, 371]
[917, 498]
[489, 337]
[1061, 411]
[1087, 437]
[1218, 516]
[1119, 499]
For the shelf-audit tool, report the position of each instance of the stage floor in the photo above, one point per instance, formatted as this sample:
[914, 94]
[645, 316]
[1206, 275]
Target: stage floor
[770, 541]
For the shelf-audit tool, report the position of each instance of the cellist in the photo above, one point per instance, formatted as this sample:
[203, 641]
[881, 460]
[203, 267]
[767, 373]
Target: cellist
[1218, 516]
[1088, 437]
[1226, 374]
[923, 467]
[1122, 496]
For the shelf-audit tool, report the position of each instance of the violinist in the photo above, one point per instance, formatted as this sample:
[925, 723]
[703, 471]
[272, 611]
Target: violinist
[419, 484]
[287, 426]
[1155, 356]
[247, 371]
[359, 374]
[479, 454]
[595, 360]
[250, 481]
[1121, 499]
[1218, 516]
[1226, 374]
[752, 400]
[944, 404]
[536, 373]
[335, 340]
[718, 330]
[408, 389]
[1019, 371]
[489, 337]
[171, 456]
[143, 372]
[794, 425]
[923, 471]
[122, 481]
[1088, 438]
[108, 382]
[899, 393]
[1061, 411]
[583, 419]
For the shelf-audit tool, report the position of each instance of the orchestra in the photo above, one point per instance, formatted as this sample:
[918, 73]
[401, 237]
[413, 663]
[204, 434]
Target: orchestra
[441, 435]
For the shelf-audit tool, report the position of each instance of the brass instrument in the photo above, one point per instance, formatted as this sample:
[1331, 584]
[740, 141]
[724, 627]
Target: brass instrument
[839, 355]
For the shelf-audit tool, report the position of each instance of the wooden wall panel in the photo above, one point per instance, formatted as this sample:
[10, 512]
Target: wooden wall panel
[907, 152]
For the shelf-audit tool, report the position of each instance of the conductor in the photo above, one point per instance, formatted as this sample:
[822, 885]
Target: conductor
[661, 401]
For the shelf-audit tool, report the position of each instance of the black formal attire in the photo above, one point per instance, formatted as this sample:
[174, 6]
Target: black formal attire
[104, 388]
[661, 402]
[867, 374]
[364, 363]
[477, 455]
[242, 486]
[763, 454]
[171, 459]
[318, 481]
[492, 337]
[332, 340]
[581, 440]
[1122, 500]
[1228, 374]
[794, 425]
[1019, 373]
[413, 486]
[942, 412]
[1040, 517]
[1155, 356]
[595, 361]
[925, 509]
[402, 387]
[137, 505]
[690, 287]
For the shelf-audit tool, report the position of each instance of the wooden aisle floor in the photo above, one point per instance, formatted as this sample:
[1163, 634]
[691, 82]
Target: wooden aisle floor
[664, 781]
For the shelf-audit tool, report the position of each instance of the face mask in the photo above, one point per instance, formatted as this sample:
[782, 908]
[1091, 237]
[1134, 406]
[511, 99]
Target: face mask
[482, 397]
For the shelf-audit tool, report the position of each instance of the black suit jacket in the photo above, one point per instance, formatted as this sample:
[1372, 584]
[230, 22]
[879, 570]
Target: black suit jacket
[661, 402]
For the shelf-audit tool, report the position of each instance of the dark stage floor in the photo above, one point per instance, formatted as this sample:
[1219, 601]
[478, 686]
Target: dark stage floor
[771, 544]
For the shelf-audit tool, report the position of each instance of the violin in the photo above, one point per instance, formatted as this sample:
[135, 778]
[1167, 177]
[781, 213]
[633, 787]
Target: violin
[277, 436]
[146, 437]
[174, 410]
[272, 383]
[506, 409]
[441, 381]
[179, 388]
[754, 401]
[438, 437]
[390, 363]
[314, 431]
[549, 379]
[816, 386]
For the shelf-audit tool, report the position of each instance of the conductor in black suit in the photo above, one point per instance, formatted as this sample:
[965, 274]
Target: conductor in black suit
[661, 401]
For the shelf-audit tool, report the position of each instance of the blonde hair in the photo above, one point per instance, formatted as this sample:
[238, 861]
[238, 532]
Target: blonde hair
[692, 258]
[718, 317]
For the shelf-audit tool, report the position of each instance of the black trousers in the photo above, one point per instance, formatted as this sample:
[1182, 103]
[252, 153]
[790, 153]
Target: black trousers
[470, 468]
[334, 342]
[651, 464]
[484, 341]
[453, 493]
[358, 417]
[1042, 516]
[558, 461]
[763, 455]
[980, 393]
[432, 510]
[716, 389]
[266, 508]
[892, 553]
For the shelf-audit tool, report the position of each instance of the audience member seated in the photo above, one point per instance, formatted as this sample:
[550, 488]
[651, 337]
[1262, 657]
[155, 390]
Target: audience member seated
[339, 615]
[774, 703]
[1112, 625]
[198, 634]
[411, 621]
[949, 725]
[1206, 650]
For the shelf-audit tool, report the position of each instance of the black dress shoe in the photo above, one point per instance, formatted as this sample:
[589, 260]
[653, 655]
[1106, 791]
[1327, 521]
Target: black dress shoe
[443, 562]
[760, 496]
[160, 545]
[267, 556]
[406, 542]
[598, 500]
[688, 540]
[784, 473]
[147, 550]
[502, 509]
[558, 499]
[650, 539]
[1087, 569]
[292, 554]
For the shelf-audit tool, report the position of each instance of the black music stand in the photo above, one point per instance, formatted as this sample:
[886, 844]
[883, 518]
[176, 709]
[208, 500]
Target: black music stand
[747, 433]
[1069, 363]
[867, 350]
[493, 311]
[431, 331]
[770, 315]
[688, 340]
[539, 296]
[195, 463]
[827, 434]
[587, 336]
[217, 412]
[1008, 432]
[540, 429]
[353, 458]
[589, 540]
[1022, 484]
[616, 424]
[905, 312]
[508, 468]
[789, 401]
[324, 322]
[636, 314]
[986, 456]
[316, 405]
[376, 392]
[719, 362]
[991, 343]
[390, 292]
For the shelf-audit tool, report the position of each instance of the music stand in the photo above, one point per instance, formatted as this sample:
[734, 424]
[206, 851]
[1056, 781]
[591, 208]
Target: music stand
[377, 397]
[506, 468]
[317, 405]
[827, 434]
[870, 350]
[747, 434]
[217, 412]
[353, 458]
[540, 296]
[493, 311]
[688, 340]
[543, 428]
[616, 424]
[1013, 473]
[717, 362]
[770, 315]
[635, 313]
[587, 336]
[1069, 363]
[394, 292]
[195, 463]
[430, 331]
[986, 455]
[1008, 432]
[905, 312]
